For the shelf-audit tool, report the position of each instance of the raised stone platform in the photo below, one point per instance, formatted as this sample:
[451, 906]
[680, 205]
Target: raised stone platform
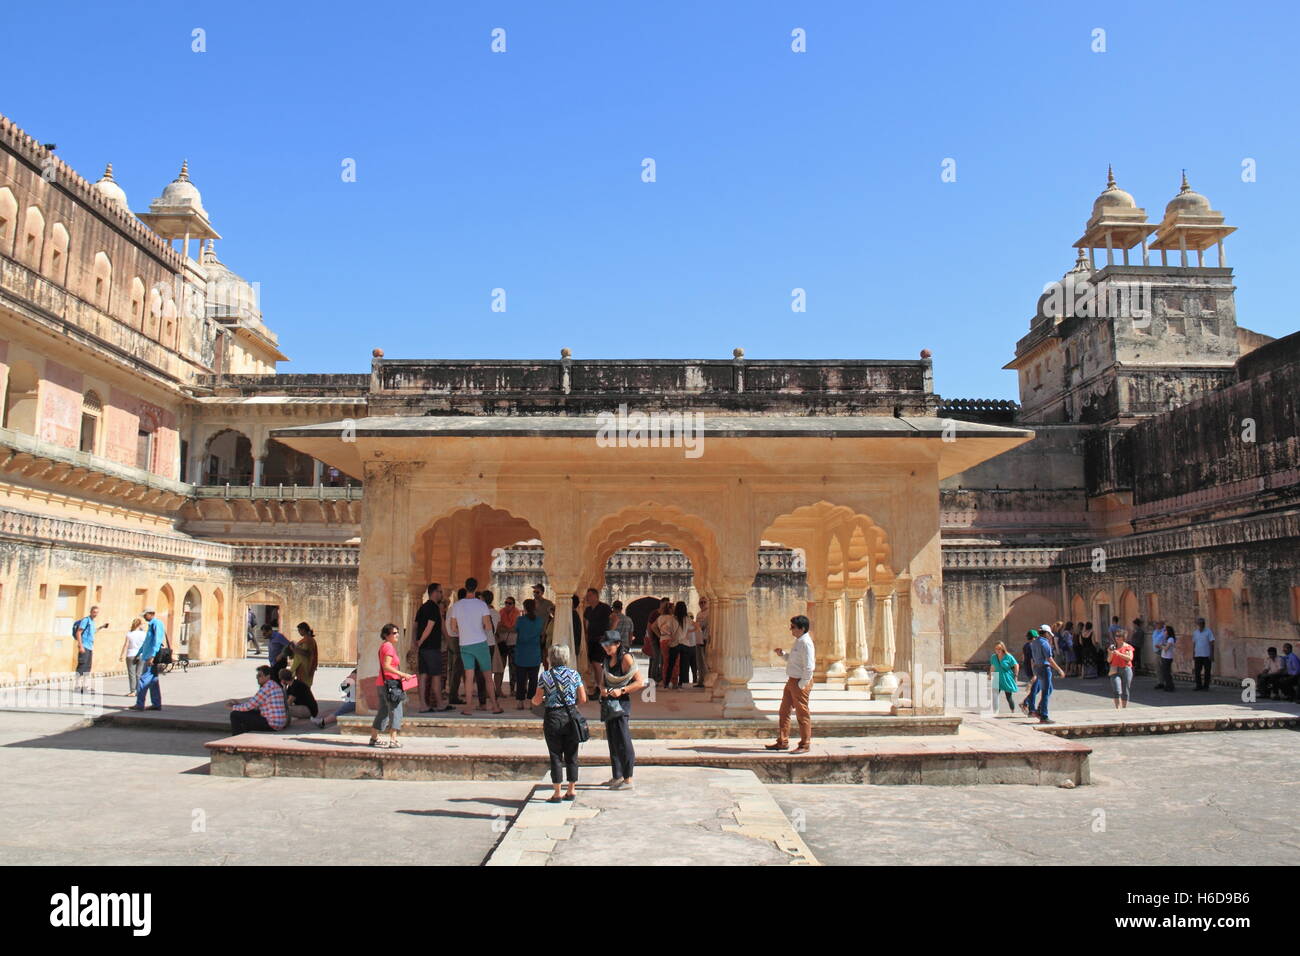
[515, 724]
[1183, 721]
[982, 752]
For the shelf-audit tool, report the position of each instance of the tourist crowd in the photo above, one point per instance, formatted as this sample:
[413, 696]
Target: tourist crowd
[468, 650]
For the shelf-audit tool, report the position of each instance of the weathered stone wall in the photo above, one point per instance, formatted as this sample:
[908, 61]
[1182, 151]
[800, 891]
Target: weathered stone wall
[33, 635]
[1246, 590]
[324, 597]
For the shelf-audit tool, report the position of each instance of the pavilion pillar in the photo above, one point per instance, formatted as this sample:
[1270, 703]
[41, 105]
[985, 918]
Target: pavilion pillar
[920, 601]
[735, 664]
[886, 684]
[836, 671]
[821, 624]
[711, 649]
[383, 575]
[856, 644]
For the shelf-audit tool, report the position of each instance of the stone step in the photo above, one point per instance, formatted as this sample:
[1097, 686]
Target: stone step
[982, 753]
[517, 724]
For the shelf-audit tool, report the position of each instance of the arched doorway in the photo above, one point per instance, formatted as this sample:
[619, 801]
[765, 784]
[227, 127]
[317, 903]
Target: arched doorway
[22, 392]
[191, 626]
[228, 459]
[852, 602]
[639, 611]
[166, 610]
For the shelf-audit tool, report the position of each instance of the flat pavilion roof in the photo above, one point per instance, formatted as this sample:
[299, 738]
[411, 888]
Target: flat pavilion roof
[967, 443]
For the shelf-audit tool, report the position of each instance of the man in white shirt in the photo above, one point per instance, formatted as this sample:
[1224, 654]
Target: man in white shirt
[473, 624]
[1202, 654]
[799, 664]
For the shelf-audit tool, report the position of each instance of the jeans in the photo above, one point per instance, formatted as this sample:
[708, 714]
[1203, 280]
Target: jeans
[1122, 682]
[1201, 665]
[1167, 673]
[134, 666]
[689, 667]
[525, 681]
[618, 734]
[389, 715]
[562, 742]
[245, 721]
[148, 682]
[1042, 682]
[679, 662]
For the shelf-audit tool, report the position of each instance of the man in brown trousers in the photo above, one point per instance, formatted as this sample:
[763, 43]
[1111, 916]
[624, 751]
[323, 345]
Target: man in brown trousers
[799, 663]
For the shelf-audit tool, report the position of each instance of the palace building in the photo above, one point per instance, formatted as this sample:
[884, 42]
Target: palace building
[153, 456]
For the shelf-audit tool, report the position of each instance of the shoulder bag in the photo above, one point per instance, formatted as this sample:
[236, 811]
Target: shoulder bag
[579, 721]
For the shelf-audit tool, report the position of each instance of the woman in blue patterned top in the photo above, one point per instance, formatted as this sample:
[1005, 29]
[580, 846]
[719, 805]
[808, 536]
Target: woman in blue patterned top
[561, 689]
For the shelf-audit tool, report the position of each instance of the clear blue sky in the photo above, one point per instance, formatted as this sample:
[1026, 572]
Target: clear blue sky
[775, 170]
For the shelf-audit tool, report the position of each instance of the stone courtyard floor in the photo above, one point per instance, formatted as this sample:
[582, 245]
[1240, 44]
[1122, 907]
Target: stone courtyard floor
[80, 794]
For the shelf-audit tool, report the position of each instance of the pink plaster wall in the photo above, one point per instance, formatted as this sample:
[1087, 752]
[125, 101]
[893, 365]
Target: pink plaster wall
[60, 417]
[125, 416]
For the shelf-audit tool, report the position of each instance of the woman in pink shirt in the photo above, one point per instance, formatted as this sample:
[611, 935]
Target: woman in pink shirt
[389, 682]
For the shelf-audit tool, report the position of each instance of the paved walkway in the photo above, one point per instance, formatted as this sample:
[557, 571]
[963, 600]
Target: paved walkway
[76, 795]
[1089, 702]
[674, 817]
[1182, 800]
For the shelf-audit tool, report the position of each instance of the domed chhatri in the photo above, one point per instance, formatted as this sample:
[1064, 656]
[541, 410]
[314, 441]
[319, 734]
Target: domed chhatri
[1112, 197]
[178, 213]
[1188, 200]
[181, 192]
[1117, 223]
[1190, 225]
[107, 187]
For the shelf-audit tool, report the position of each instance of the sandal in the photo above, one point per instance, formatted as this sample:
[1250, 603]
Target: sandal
[395, 745]
[498, 711]
[378, 744]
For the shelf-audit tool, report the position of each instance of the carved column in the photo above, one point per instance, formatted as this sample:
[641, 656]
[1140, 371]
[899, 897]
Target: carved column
[737, 667]
[836, 671]
[886, 684]
[856, 654]
[711, 651]
[718, 637]
[821, 625]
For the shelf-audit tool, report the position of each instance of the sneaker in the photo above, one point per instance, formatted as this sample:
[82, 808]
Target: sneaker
[135, 707]
[624, 785]
[318, 720]
[613, 783]
[1046, 720]
[153, 708]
